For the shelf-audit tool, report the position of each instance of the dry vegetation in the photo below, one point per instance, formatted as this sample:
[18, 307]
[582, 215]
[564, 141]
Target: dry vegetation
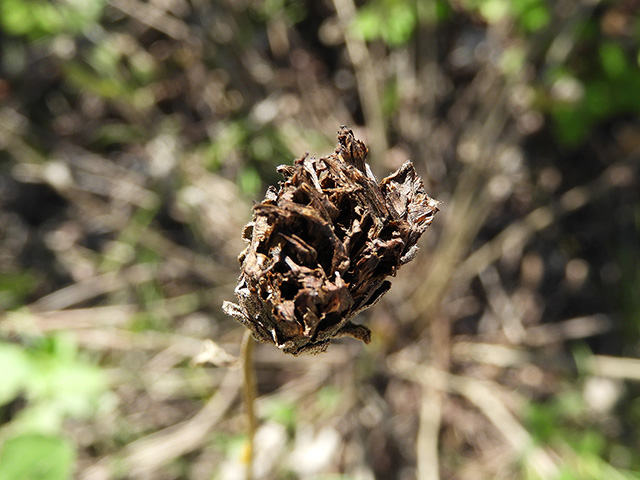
[134, 137]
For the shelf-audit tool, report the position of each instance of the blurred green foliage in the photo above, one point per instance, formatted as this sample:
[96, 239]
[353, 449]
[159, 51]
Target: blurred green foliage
[394, 21]
[40, 18]
[292, 10]
[577, 95]
[15, 288]
[56, 384]
[565, 423]
[36, 457]
[282, 411]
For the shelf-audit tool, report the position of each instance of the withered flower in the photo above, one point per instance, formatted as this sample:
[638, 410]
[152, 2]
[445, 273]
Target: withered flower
[322, 245]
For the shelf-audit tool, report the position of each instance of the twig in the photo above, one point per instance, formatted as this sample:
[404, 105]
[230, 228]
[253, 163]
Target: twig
[154, 17]
[146, 455]
[481, 394]
[367, 83]
[92, 287]
[518, 233]
[490, 354]
[623, 368]
[572, 329]
[428, 433]
[508, 315]
[249, 391]
[432, 401]
[470, 203]
[614, 367]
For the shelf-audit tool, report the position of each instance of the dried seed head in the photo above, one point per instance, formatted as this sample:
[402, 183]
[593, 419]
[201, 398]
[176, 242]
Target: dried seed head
[322, 245]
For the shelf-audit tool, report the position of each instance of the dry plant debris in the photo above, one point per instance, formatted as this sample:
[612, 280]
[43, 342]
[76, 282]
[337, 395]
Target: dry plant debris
[322, 245]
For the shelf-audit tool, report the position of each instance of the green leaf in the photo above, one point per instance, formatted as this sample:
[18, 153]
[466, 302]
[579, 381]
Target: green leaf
[401, 24]
[250, 182]
[15, 18]
[536, 18]
[36, 457]
[16, 367]
[494, 10]
[282, 411]
[443, 10]
[570, 124]
[329, 399]
[393, 21]
[15, 288]
[612, 59]
[367, 23]
[38, 18]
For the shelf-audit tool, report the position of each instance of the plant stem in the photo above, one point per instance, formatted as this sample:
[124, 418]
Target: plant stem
[249, 391]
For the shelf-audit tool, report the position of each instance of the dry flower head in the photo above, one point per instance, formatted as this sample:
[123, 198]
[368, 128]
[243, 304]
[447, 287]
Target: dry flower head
[322, 245]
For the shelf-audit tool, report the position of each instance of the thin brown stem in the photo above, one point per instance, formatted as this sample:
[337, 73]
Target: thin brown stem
[249, 392]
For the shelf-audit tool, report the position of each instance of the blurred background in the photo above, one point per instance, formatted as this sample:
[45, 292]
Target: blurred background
[134, 138]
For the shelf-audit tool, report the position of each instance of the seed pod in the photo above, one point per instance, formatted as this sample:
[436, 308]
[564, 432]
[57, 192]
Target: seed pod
[322, 245]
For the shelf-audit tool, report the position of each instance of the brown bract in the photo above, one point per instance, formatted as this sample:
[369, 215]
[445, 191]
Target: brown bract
[322, 245]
